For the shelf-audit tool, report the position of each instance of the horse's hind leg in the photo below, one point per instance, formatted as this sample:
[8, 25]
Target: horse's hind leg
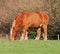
[45, 32]
[38, 34]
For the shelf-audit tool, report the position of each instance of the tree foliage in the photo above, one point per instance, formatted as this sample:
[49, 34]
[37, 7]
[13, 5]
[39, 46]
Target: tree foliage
[9, 9]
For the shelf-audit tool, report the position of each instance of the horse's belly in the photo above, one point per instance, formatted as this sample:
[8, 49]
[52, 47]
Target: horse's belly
[35, 25]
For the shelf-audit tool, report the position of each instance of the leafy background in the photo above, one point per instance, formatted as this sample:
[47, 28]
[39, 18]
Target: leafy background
[9, 9]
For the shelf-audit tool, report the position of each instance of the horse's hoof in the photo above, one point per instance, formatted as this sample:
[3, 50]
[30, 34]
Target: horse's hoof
[21, 38]
[11, 39]
[36, 38]
[26, 38]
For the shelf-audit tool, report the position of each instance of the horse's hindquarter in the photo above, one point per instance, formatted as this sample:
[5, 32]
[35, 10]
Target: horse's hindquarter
[44, 17]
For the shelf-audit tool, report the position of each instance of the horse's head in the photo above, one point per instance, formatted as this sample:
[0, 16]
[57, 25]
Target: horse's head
[12, 31]
[18, 22]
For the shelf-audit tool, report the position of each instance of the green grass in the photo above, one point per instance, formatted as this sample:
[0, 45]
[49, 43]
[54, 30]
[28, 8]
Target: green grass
[29, 47]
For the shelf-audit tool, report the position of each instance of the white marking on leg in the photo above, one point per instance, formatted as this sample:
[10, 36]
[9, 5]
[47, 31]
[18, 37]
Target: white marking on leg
[22, 37]
[26, 36]
[37, 38]
[11, 32]
[40, 25]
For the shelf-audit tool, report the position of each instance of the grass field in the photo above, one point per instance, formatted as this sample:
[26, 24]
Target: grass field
[29, 47]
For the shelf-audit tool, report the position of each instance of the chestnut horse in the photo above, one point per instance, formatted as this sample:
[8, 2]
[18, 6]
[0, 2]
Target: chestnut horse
[29, 19]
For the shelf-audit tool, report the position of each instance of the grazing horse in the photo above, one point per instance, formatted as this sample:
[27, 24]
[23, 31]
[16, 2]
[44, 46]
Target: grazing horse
[29, 19]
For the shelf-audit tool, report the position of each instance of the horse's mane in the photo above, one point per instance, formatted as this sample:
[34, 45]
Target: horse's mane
[19, 15]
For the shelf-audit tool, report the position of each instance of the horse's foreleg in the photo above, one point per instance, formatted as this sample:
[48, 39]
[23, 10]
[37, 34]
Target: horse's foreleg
[38, 34]
[26, 36]
[23, 34]
[45, 32]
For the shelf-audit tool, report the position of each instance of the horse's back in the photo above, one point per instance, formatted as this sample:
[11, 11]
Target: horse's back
[32, 18]
[37, 17]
